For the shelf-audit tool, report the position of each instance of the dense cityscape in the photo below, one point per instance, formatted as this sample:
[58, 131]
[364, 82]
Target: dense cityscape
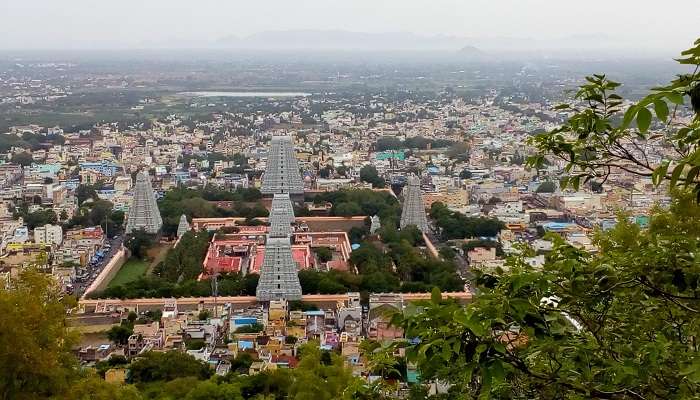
[243, 224]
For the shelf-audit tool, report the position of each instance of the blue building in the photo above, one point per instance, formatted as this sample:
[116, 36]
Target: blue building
[105, 168]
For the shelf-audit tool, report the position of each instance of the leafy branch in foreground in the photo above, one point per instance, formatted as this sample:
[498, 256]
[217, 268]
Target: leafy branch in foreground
[601, 136]
[619, 324]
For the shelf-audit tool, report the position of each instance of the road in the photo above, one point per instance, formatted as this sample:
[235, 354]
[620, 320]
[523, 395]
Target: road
[93, 270]
[463, 269]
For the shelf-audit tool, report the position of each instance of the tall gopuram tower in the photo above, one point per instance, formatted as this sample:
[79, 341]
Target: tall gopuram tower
[143, 212]
[281, 215]
[413, 211]
[282, 172]
[183, 226]
[279, 279]
[278, 275]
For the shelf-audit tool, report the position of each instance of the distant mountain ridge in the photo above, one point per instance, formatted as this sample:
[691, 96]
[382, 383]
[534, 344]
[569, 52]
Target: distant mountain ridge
[343, 40]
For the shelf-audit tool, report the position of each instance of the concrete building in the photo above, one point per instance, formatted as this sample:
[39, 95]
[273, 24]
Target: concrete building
[49, 234]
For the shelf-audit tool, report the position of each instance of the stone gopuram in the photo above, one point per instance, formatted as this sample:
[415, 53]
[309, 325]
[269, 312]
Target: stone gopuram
[282, 171]
[143, 211]
[281, 215]
[278, 276]
[413, 211]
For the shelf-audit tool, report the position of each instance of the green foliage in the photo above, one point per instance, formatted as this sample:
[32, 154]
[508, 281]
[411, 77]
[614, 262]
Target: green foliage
[465, 174]
[402, 268]
[184, 262]
[618, 324]
[601, 136]
[241, 364]
[84, 192]
[369, 174]
[197, 204]
[291, 340]
[113, 361]
[119, 334]
[546, 187]
[138, 243]
[24, 159]
[28, 141]
[40, 218]
[153, 286]
[253, 328]
[447, 252]
[355, 202]
[324, 254]
[35, 347]
[194, 344]
[98, 212]
[94, 388]
[300, 305]
[317, 379]
[204, 315]
[331, 282]
[455, 225]
[157, 366]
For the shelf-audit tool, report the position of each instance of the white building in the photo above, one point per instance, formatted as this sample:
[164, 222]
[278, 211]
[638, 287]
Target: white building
[49, 234]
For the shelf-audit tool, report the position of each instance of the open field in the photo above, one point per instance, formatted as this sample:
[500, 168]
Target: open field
[129, 272]
[157, 254]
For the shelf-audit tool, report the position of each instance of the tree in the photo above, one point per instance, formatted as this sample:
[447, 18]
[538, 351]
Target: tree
[94, 388]
[325, 172]
[35, 346]
[546, 187]
[324, 254]
[347, 209]
[602, 136]
[465, 174]
[617, 324]
[195, 344]
[139, 242]
[119, 334]
[455, 225]
[84, 192]
[448, 253]
[204, 315]
[316, 379]
[252, 328]
[157, 366]
[24, 159]
[291, 340]
[40, 218]
[369, 174]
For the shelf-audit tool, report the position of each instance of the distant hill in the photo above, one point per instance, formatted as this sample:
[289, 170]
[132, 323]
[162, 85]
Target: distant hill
[472, 53]
[341, 40]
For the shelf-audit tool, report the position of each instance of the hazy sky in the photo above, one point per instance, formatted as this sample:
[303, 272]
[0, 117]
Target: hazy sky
[58, 24]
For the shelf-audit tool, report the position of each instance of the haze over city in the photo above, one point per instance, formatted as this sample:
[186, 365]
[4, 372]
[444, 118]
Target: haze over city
[627, 25]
